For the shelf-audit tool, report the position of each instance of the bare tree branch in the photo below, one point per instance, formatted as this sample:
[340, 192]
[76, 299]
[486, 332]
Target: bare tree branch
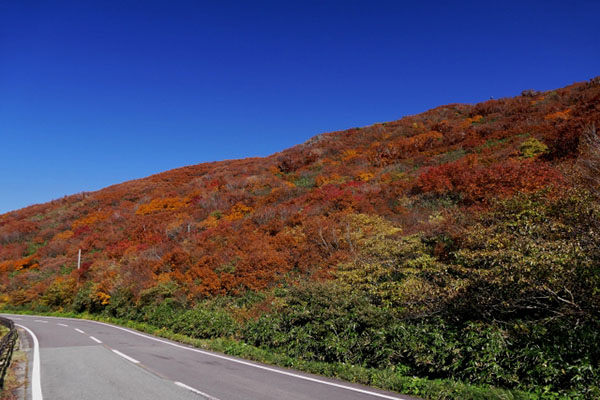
[589, 158]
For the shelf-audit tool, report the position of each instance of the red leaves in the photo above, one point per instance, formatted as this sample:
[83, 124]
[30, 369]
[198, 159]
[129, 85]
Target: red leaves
[235, 225]
[480, 183]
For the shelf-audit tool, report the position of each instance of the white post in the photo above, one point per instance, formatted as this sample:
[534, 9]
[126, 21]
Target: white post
[79, 260]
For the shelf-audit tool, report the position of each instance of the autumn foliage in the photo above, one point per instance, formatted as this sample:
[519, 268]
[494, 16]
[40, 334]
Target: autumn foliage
[414, 217]
[251, 223]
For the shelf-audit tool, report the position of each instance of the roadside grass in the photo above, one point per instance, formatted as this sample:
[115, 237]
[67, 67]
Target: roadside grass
[386, 379]
[13, 380]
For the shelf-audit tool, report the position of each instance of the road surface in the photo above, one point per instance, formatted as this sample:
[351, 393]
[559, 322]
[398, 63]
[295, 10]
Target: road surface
[88, 360]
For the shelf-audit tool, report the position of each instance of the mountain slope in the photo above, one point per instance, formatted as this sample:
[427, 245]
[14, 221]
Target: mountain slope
[475, 212]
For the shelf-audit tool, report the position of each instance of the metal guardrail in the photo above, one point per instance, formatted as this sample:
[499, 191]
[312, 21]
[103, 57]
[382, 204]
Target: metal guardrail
[7, 345]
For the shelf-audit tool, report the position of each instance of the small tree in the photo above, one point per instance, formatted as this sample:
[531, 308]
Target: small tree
[589, 159]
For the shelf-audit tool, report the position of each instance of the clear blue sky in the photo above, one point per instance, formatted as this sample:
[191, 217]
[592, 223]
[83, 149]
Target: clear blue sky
[94, 93]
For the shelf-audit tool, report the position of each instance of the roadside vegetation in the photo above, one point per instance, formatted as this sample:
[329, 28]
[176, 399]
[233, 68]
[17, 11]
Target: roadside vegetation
[450, 255]
[15, 377]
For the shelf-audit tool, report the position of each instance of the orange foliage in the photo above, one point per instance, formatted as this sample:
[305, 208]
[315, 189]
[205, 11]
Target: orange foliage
[210, 222]
[26, 263]
[349, 154]
[365, 176]
[90, 219]
[164, 204]
[424, 140]
[559, 115]
[64, 235]
[470, 121]
[239, 211]
[225, 227]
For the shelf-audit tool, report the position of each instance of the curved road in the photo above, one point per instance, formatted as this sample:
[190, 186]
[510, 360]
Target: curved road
[88, 360]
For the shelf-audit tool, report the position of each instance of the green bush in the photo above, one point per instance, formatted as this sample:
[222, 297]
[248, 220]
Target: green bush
[533, 148]
[204, 323]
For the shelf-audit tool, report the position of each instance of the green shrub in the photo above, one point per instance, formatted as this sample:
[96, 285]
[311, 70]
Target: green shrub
[532, 148]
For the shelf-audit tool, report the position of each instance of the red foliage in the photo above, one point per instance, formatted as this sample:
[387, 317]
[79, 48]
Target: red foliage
[479, 183]
[230, 226]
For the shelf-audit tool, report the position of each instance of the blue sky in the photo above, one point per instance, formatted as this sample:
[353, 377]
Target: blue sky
[94, 93]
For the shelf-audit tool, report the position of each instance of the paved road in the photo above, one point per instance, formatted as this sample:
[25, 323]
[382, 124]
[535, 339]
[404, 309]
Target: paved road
[87, 360]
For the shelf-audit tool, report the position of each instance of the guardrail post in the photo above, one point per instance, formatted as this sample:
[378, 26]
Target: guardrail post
[7, 345]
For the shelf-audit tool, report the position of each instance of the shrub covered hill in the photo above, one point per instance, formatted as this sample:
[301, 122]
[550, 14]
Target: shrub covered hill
[462, 244]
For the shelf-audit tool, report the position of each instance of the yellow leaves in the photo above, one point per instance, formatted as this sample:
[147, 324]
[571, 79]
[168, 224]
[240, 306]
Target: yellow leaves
[436, 218]
[470, 121]
[239, 211]
[210, 222]
[418, 125]
[163, 204]
[103, 298]
[90, 219]
[349, 154]
[532, 148]
[564, 115]
[368, 231]
[60, 291]
[322, 180]
[365, 176]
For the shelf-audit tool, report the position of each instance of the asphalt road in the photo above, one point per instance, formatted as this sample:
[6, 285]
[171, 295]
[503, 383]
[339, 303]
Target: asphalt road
[87, 360]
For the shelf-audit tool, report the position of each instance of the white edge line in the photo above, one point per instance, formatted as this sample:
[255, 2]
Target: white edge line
[125, 356]
[307, 378]
[95, 340]
[40, 320]
[191, 389]
[36, 384]
[79, 330]
[62, 324]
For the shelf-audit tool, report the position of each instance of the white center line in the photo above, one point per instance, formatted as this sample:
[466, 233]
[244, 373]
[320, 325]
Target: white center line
[125, 356]
[95, 340]
[79, 330]
[62, 324]
[191, 389]
[40, 320]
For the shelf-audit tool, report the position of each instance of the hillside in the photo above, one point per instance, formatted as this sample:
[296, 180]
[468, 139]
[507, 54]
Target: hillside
[459, 243]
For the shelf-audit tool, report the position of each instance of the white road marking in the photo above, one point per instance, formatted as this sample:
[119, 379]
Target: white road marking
[307, 378]
[191, 389]
[61, 324]
[40, 320]
[36, 384]
[95, 340]
[247, 363]
[125, 356]
[79, 330]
